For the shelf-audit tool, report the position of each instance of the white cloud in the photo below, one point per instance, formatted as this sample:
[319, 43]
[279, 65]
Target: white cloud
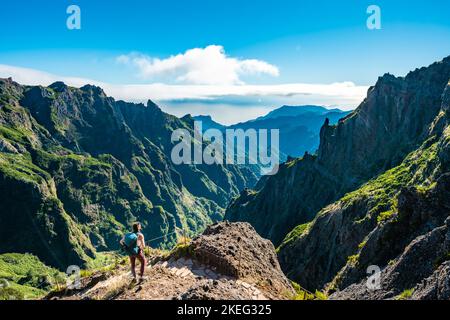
[162, 92]
[208, 99]
[199, 66]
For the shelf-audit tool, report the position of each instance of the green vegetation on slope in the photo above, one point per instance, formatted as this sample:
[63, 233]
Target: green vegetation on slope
[380, 193]
[406, 294]
[20, 167]
[346, 224]
[24, 276]
[292, 236]
[78, 168]
[303, 294]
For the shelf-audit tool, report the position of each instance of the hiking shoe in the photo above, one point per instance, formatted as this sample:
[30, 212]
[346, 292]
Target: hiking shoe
[143, 278]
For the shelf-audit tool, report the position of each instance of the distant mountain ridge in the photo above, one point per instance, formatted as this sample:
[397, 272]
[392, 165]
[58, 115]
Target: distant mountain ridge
[209, 123]
[299, 126]
[294, 111]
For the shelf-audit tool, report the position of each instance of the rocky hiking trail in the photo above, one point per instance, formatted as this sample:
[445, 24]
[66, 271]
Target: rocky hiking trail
[229, 261]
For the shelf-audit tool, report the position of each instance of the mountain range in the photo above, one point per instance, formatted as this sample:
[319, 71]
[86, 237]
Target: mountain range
[375, 194]
[77, 167]
[299, 126]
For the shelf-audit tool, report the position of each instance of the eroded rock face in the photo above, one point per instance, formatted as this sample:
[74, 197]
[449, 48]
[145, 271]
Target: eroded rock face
[436, 286]
[421, 269]
[316, 257]
[235, 249]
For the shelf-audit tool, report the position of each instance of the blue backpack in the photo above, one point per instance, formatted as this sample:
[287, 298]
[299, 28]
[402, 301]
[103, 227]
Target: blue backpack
[130, 246]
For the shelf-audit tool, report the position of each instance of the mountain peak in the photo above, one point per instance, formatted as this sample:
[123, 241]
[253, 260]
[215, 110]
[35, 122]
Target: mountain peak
[295, 111]
[446, 59]
[152, 105]
[205, 117]
[93, 89]
[58, 86]
[209, 123]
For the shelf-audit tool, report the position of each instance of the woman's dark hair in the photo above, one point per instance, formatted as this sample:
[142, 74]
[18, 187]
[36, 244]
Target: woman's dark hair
[136, 226]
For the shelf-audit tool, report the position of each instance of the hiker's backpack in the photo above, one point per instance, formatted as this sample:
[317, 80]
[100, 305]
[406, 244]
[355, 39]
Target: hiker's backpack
[130, 246]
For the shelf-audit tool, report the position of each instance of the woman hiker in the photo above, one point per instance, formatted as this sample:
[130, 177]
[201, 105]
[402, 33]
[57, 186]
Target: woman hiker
[133, 244]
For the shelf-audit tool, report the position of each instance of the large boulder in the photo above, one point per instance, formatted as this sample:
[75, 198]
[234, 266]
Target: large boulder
[235, 249]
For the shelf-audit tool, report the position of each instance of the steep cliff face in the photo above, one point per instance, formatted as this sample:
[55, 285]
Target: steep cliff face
[397, 221]
[389, 124]
[76, 167]
[416, 260]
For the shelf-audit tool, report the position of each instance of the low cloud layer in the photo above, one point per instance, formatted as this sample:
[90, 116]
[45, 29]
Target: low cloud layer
[199, 66]
[223, 102]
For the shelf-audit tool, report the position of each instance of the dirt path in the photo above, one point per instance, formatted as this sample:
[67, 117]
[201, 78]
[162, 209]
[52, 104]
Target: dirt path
[166, 281]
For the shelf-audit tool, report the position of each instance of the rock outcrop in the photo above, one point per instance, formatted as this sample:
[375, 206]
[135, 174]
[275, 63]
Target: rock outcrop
[228, 261]
[236, 250]
[436, 286]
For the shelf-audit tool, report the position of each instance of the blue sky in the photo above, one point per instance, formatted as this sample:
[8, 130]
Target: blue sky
[263, 46]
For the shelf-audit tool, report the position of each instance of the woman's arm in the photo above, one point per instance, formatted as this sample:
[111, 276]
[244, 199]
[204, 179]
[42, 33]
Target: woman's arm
[141, 241]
